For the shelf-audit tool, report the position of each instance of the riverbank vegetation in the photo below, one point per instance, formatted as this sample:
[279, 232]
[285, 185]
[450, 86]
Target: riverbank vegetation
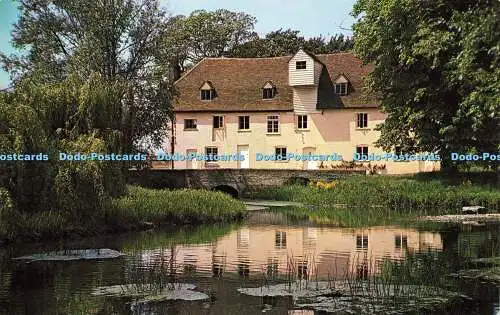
[139, 209]
[184, 206]
[358, 201]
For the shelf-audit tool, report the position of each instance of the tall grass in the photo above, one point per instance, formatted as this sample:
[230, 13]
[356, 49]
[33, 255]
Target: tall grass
[138, 209]
[175, 206]
[405, 194]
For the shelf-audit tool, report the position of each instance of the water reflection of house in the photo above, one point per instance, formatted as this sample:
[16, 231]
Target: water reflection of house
[308, 250]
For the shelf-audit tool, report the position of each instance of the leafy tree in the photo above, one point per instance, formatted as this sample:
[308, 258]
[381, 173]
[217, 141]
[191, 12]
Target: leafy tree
[287, 42]
[437, 72]
[118, 39]
[203, 34]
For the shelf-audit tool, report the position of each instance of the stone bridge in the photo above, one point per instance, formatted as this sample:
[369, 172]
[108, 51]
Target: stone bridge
[236, 182]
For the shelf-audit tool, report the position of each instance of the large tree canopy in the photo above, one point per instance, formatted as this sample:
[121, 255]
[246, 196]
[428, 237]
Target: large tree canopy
[117, 39]
[287, 42]
[188, 40]
[437, 72]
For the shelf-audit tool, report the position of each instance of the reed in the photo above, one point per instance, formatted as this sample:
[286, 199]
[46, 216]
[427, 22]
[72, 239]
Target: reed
[182, 206]
[387, 194]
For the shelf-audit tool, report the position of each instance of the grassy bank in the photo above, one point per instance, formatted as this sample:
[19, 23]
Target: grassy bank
[390, 192]
[357, 201]
[140, 208]
[183, 206]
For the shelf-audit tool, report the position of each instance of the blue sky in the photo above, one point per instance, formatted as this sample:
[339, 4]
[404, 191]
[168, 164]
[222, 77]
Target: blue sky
[311, 18]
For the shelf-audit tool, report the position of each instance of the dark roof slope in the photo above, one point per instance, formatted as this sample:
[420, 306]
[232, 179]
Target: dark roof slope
[238, 84]
[352, 68]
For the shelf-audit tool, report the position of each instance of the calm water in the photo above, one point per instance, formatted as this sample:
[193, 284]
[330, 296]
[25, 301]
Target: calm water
[221, 259]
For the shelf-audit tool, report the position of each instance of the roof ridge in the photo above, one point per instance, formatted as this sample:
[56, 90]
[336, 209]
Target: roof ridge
[338, 53]
[246, 58]
[185, 74]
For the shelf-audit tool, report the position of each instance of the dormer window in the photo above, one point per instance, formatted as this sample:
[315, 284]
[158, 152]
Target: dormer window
[300, 65]
[207, 91]
[341, 85]
[268, 91]
[341, 88]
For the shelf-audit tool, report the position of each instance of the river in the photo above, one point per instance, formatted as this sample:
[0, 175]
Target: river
[219, 259]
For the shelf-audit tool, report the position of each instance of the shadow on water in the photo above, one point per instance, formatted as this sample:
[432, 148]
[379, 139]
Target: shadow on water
[268, 249]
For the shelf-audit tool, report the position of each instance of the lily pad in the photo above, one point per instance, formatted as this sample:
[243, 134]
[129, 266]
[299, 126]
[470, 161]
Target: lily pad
[73, 254]
[359, 298]
[376, 305]
[296, 289]
[152, 293]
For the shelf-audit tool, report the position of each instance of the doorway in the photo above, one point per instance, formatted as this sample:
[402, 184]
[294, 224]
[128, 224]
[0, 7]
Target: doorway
[244, 151]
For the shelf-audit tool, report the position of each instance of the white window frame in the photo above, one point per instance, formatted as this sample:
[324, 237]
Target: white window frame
[360, 119]
[281, 148]
[301, 62]
[220, 121]
[269, 92]
[195, 124]
[302, 122]
[210, 95]
[210, 150]
[362, 242]
[245, 123]
[341, 88]
[275, 124]
[280, 240]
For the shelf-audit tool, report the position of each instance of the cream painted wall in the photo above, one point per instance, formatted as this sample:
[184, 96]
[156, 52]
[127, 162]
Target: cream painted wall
[330, 131]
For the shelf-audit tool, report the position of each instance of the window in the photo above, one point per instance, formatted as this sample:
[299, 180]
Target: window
[362, 150]
[273, 124]
[211, 152]
[362, 120]
[268, 93]
[302, 271]
[190, 124]
[280, 240]
[272, 267]
[244, 122]
[361, 241]
[341, 88]
[362, 271]
[302, 122]
[280, 153]
[218, 122]
[207, 95]
[299, 65]
[400, 241]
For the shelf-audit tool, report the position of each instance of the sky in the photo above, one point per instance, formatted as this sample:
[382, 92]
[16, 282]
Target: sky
[310, 17]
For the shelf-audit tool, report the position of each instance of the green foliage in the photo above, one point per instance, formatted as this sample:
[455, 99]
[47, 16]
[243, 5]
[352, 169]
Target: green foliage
[382, 200]
[180, 206]
[188, 39]
[114, 48]
[288, 42]
[5, 209]
[436, 71]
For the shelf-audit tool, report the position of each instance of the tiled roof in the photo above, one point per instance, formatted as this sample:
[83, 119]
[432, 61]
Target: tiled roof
[352, 68]
[238, 84]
